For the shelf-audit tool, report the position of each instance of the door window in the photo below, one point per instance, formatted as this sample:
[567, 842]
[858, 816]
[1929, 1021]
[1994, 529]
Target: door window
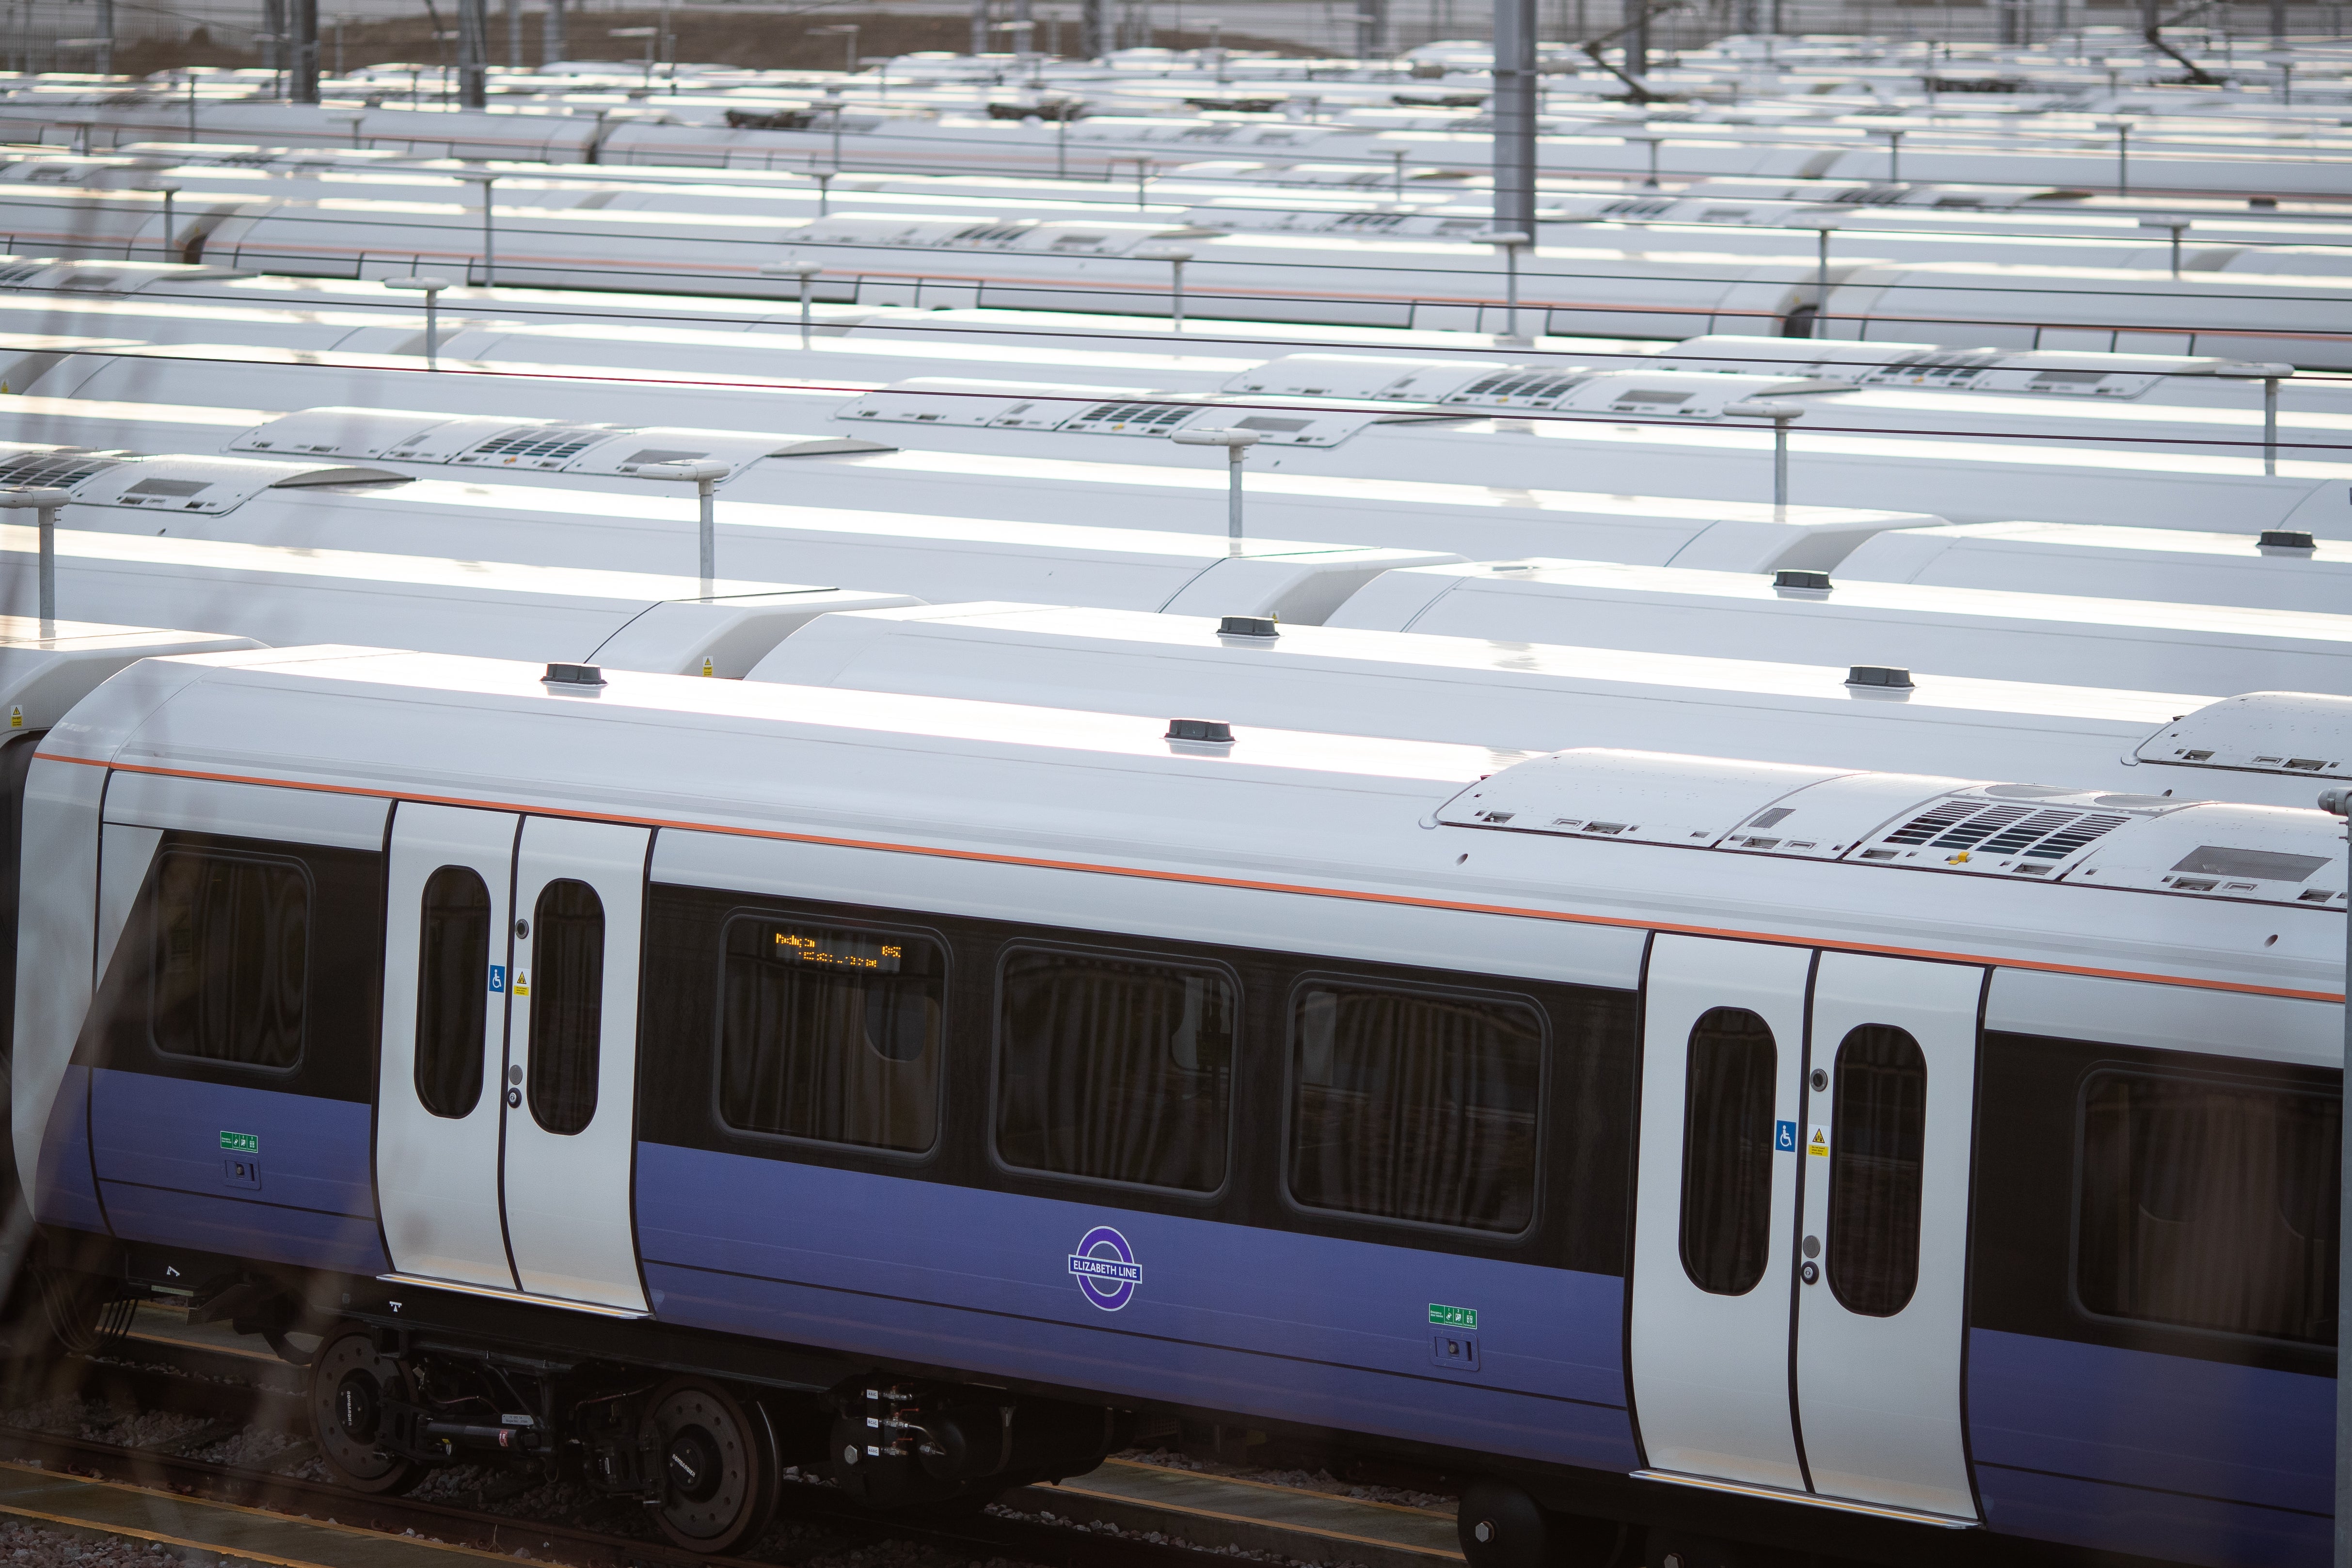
[567, 1004]
[1879, 1120]
[1727, 1152]
[1413, 1105]
[2209, 1205]
[453, 984]
[231, 958]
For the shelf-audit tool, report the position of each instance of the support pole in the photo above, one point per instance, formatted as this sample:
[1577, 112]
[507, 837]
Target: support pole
[489, 228]
[1780, 414]
[302, 24]
[705, 476]
[805, 271]
[45, 503]
[2173, 227]
[1236, 444]
[1513, 108]
[2270, 376]
[1510, 242]
[473, 51]
[1175, 258]
[431, 289]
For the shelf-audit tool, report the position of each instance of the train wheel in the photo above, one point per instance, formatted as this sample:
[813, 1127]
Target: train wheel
[349, 1383]
[718, 1466]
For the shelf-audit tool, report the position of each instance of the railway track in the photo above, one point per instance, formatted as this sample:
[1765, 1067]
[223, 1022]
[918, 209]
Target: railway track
[229, 1396]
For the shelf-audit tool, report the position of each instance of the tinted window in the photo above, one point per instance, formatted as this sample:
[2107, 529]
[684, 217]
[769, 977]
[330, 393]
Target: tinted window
[453, 984]
[832, 1034]
[2210, 1205]
[1115, 1069]
[1416, 1107]
[567, 1004]
[232, 947]
[1877, 1147]
[1727, 1151]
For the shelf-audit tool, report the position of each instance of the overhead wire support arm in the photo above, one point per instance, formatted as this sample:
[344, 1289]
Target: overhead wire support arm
[1592, 47]
[2197, 75]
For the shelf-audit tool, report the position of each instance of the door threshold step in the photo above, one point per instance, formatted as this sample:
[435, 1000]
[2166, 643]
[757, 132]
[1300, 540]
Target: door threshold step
[492, 1293]
[1810, 1500]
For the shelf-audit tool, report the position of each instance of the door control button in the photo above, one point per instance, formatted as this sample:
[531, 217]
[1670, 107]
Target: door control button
[1821, 1080]
[1812, 1273]
[514, 1102]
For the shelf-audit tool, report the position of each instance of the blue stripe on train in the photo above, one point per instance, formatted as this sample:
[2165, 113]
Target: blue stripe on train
[63, 1192]
[1224, 1317]
[166, 1178]
[2191, 1460]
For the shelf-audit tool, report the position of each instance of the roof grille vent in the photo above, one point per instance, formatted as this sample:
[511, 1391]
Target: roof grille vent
[2284, 540]
[1519, 390]
[1203, 731]
[1878, 675]
[573, 676]
[536, 446]
[1248, 626]
[1132, 418]
[53, 470]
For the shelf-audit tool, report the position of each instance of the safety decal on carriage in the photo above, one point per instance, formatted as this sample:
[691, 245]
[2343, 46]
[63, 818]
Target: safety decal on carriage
[1106, 1269]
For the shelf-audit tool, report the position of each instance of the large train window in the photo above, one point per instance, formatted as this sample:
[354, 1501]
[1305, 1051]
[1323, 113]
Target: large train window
[830, 1034]
[231, 958]
[1414, 1105]
[1118, 1069]
[1726, 1229]
[567, 1004]
[1880, 1114]
[453, 987]
[2208, 1204]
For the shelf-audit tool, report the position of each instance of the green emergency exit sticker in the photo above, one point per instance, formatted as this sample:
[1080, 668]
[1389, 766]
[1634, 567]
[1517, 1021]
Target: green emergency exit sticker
[241, 1142]
[1453, 1317]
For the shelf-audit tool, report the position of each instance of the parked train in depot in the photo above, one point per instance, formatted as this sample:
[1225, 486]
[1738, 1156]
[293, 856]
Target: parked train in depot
[668, 1081]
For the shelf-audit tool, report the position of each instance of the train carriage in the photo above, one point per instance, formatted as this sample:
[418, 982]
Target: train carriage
[671, 1077]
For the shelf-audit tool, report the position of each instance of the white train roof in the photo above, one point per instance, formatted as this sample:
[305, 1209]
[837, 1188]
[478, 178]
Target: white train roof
[2278, 571]
[46, 667]
[1103, 818]
[652, 530]
[284, 594]
[1183, 493]
[1987, 632]
[2264, 748]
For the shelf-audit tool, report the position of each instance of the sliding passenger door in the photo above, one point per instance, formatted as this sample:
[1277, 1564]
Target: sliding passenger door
[507, 1094]
[1722, 1064]
[1880, 1312]
[571, 1072]
[439, 1113]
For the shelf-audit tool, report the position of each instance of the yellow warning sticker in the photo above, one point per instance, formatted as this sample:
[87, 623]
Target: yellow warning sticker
[705, 666]
[522, 982]
[15, 718]
[1818, 1144]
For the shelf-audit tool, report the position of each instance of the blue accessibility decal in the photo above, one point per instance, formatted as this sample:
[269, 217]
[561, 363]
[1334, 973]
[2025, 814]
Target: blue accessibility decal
[1784, 1137]
[1106, 1269]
